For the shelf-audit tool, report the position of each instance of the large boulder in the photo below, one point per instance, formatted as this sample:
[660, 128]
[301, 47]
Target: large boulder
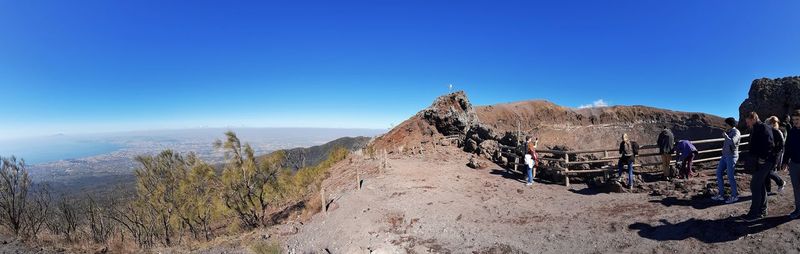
[451, 114]
[771, 97]
[489, 149]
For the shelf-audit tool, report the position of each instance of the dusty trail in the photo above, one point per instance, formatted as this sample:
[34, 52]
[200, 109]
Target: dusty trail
[434, 204]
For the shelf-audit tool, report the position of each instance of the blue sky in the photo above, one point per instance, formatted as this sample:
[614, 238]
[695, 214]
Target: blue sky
[98, 66]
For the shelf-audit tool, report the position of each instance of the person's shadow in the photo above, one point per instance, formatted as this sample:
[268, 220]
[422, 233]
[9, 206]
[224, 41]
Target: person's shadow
[508, 174]
[699, 202]
[707, 231]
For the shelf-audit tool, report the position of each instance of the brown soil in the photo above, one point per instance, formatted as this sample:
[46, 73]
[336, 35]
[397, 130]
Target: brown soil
[435, 203]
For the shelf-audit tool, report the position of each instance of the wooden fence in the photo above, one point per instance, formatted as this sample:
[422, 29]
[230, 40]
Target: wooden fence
[609, 156]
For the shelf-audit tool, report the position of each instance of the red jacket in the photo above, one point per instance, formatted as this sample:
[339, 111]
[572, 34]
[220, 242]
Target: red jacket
[532, 151]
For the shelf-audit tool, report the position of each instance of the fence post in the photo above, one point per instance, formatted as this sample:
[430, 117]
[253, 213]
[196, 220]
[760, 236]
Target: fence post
[516, 161]
[358, 178]
[324, 202]
[566, 169]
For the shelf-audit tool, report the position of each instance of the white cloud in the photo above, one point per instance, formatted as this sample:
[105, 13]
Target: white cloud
[596, 104]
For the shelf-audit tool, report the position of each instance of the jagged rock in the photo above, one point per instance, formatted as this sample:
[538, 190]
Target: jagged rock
[510, 139]
[470, 146]
[481, 130]
[476, 163]
[771, 97]
[503, 160]
[452, 114]
[488, 149]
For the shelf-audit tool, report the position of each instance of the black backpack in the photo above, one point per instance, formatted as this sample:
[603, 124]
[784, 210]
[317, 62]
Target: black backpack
[635, 148]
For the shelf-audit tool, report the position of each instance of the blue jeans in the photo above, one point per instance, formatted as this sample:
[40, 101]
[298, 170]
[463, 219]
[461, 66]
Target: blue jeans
[530, 174]
[621, 166]
[727, 164]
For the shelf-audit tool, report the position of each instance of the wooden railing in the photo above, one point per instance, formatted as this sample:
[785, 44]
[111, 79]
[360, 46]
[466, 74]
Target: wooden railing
[567, 167]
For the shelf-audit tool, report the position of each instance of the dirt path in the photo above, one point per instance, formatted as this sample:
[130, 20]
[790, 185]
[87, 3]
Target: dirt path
[423, 205]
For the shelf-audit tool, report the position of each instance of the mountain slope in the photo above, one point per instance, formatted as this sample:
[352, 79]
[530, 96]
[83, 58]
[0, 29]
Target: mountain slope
[452, 120]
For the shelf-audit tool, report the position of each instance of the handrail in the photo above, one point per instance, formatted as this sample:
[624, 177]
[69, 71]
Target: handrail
[606, 159]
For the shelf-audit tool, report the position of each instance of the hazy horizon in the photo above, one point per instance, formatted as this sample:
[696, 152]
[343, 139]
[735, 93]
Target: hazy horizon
[106, 66]
[46, 149]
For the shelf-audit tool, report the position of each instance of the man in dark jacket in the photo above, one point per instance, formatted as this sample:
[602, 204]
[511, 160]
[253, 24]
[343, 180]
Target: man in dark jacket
[776, 155]
[791, 161]
[761, 145]
[665, 147]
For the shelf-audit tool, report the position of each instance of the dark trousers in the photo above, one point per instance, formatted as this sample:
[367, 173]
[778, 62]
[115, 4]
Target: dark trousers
[773, 176]
[794, 173]
[686, 170]
[759, 189]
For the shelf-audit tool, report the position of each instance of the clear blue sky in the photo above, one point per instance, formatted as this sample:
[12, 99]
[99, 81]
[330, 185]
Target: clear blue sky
[95, 66]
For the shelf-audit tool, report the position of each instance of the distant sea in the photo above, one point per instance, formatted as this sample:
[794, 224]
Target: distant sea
[44, 150]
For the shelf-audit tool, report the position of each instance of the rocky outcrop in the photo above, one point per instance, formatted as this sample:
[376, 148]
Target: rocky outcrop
[451, 114]
[481, 130]
[771, 97]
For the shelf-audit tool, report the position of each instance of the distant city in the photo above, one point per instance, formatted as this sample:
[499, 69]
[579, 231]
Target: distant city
[59, 156]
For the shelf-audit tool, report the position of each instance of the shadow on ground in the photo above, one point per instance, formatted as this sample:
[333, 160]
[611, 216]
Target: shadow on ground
[707, 231]
[697, 202]
[508, 174]
[519, 177]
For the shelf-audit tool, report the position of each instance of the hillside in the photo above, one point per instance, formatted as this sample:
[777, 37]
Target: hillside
[298, 158]
[428, 201]
[452, 120]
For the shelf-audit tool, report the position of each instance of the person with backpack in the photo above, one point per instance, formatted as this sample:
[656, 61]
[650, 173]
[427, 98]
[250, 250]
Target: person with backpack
[531, 158]
[665, 143]
[627, 152]
[761, 143]
[686, 153]
[727, 164]
[791, 161]
[776, 155]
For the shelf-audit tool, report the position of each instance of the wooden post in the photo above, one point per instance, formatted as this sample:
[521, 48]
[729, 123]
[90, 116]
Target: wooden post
[566, 169]
[324, 202]
[605, 154]
[516, 161]
[358, 178]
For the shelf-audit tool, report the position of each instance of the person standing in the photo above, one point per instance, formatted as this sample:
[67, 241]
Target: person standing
[727, 164]
[761, 145]
[686, 153]
[665, 143]
[776, 155]
[626, 157]
[531, 158]
[791, 161]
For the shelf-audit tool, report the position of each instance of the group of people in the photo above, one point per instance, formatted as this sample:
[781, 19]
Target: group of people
[684, 149]
[770, 150]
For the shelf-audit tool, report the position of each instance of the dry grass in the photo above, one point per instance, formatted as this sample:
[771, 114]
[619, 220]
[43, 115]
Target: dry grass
[266, 248]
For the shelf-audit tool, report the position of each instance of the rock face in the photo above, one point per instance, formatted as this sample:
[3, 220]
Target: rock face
[451, 114]
[482, 130]
[771, 97]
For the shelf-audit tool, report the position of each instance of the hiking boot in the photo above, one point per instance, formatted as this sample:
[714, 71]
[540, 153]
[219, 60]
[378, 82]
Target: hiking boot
[528, 184]
[731, 200]
[752, 218]
[718, 198]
